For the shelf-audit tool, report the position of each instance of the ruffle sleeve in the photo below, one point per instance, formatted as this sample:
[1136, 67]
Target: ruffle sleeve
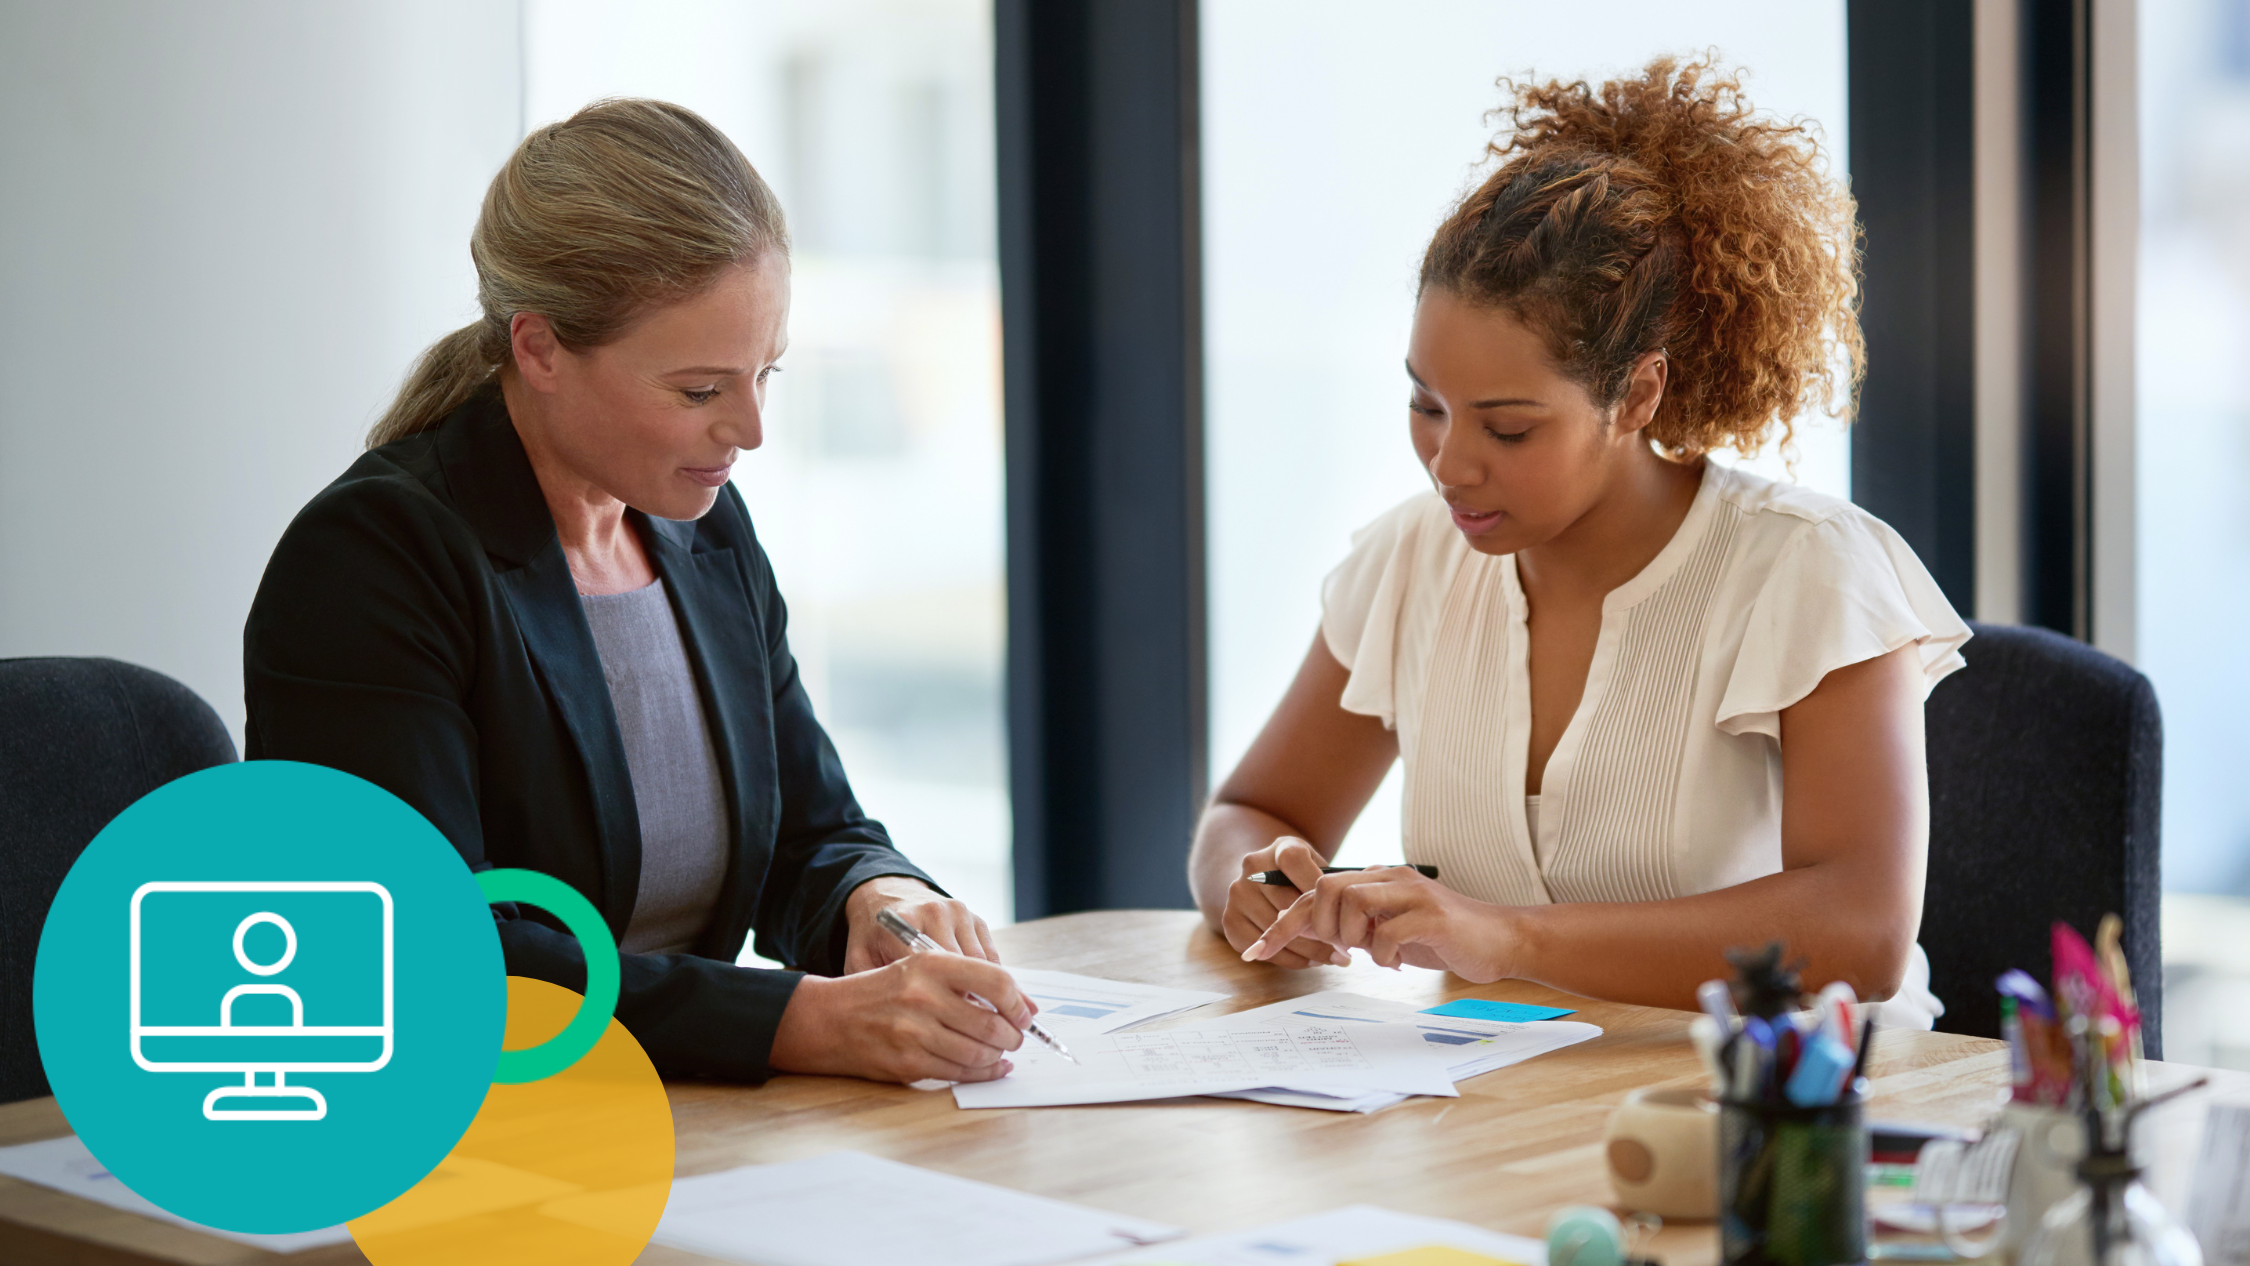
[1361, 602]
[1844, 589]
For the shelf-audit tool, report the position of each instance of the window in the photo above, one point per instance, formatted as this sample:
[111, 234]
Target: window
[878, 493]
[2192, 455]
[1335, 137]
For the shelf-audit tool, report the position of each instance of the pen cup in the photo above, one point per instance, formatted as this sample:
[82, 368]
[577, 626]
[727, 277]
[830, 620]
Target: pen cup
[1792, 1183]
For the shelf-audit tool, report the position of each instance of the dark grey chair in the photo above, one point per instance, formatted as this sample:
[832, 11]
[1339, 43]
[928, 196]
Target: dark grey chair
[80, 739]
[2046, 765]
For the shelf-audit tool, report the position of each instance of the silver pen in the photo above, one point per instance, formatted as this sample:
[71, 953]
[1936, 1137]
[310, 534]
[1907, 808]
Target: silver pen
[918, 943]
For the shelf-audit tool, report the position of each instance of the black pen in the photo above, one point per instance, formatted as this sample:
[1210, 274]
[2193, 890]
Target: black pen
[1280, 879]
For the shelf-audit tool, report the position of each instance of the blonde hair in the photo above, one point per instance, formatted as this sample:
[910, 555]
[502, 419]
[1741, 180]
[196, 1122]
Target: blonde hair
[626, 205]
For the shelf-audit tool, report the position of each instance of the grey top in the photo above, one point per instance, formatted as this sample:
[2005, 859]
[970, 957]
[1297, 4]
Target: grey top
[674, 767]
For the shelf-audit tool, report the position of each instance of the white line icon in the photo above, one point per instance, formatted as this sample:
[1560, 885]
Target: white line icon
[252, 1049]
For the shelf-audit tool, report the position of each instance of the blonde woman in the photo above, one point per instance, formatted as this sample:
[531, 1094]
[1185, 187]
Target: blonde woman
[536, 611]
[1649, 707]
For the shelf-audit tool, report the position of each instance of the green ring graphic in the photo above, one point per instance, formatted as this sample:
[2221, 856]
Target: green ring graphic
[585, 922]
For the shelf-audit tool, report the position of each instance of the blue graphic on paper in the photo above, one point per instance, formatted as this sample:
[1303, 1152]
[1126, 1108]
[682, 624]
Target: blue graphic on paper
[1485, 1009]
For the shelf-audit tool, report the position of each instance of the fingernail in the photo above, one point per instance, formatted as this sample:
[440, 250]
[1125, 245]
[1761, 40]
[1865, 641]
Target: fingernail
[1251, 955]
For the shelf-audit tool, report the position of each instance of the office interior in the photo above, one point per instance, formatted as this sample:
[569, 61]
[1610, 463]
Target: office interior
[1097, 320]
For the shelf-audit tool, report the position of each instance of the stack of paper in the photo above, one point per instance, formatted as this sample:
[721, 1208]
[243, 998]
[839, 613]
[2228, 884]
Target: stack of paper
[65, 1165]
[1469, 1046]
[1358, 1235]
[1070, 1003]
[815, 1213]
[1332, 1050]
[1227, 1054]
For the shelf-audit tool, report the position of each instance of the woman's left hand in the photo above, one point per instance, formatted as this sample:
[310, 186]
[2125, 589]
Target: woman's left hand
[948, 922]
[1399, 916]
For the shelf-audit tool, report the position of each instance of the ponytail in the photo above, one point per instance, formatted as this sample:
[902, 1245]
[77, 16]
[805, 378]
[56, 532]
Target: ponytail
[446, 375]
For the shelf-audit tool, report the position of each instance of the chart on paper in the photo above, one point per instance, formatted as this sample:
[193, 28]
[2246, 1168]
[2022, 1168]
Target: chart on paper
[1090, 1004]
[1267, 1054]
[1470, 1046]
[1120, 1067]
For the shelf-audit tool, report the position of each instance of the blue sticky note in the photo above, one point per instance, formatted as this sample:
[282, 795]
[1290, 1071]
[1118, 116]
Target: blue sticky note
[1480, 1009]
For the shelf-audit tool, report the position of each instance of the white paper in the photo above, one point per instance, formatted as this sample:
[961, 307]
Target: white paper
[1337, 1236]
[1221, 1056]
[1371, 1101]
[852, 1209]
[2218, 1208]
[65, 1165]
[1473, 1047]
[1069, 1002]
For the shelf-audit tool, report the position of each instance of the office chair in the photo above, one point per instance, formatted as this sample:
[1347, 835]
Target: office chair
[2046, 763]
[80, 739]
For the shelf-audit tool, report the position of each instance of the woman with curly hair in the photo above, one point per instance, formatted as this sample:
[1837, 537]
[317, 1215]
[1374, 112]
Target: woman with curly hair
[1651, 707]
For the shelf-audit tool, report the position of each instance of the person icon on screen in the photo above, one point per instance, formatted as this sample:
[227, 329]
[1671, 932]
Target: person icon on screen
[274, 968]
[264, 1100]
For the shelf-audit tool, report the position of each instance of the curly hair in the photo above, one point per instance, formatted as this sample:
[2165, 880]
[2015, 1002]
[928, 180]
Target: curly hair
[1660, 212]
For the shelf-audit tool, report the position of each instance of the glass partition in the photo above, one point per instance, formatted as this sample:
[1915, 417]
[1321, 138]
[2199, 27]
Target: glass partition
[2192, 466]
[878, 492]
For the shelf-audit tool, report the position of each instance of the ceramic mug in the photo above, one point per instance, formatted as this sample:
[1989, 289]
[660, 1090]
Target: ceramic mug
[1662, 1147]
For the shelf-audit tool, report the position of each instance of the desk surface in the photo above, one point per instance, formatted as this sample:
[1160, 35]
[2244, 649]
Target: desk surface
[1517, 1143]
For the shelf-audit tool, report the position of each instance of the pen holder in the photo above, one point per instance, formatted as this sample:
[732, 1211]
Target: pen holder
[1792, 1183]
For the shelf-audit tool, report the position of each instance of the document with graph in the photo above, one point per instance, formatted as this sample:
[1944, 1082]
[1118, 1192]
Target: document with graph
[1471, 1046]
[1071, 1003]
[1223, 1055]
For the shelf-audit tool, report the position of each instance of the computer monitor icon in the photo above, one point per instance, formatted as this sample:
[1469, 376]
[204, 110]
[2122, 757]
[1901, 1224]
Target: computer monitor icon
[249, 978]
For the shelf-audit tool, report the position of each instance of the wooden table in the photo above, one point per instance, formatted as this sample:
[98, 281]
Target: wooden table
[1517, 1144]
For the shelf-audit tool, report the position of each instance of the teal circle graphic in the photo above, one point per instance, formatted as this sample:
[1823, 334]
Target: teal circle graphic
[269, 997]
[533, 1063]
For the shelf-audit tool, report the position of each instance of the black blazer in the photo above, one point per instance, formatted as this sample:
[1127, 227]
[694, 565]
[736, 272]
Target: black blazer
[418, 626]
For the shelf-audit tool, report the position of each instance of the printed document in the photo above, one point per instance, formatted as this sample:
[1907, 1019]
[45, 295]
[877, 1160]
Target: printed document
[65, 1165]
[1354, 1233]
[1225, 1055]
[816, 1213]
[1471, 1047]
[1070, 1004]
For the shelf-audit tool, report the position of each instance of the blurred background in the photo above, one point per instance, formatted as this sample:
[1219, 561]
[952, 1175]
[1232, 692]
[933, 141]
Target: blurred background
[2192, 538]
[879, 491]
[225, 230]
[1324, 175]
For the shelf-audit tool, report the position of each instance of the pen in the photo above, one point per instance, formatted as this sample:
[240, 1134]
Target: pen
[1859, 1062]
[1280, 879]
[1753, 1060]
[917, 943]
[1710, 1044]
[1717, 1002]
[1835, 1008]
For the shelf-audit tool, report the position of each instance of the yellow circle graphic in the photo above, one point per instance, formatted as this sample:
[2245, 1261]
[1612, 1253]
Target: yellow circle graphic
[572, 1170]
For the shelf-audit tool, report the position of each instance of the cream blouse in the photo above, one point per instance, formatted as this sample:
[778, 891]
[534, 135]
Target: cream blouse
[1667, 780]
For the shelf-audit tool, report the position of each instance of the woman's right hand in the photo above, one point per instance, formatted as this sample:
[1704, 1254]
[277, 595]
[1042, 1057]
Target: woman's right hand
[1252, 907]
[906, 1021]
